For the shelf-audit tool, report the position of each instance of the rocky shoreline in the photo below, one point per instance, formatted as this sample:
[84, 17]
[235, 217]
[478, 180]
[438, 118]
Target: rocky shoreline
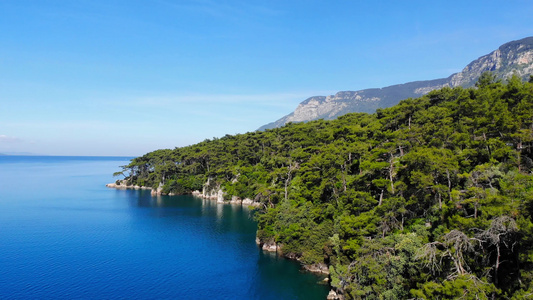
[319, 268]
[125, 187]
[218, 196]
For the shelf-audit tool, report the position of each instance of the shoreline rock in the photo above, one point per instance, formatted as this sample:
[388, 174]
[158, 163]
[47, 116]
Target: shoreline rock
[219, 197]
[125, 187]
[334, 296]
[271, 246]
[320, 268]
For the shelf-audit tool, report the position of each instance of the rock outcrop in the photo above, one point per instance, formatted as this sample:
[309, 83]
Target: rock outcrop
[272, 246]
[321, 268]
[213, 191]
[511, 58]
[334, 296]
[124, 184]
[217, 195]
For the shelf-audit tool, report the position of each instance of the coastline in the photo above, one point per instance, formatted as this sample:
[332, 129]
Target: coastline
[104, 233]
[126, 187]
[317, 268]
[218, 196]
[320, 269]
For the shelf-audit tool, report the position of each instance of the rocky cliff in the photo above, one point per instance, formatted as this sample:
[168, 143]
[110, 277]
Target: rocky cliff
[515, 57]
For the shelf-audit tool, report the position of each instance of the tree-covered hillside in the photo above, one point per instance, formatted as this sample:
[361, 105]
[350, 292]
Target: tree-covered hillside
[429, 199]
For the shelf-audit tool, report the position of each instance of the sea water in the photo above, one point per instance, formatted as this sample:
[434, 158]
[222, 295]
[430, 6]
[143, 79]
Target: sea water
[64, 235]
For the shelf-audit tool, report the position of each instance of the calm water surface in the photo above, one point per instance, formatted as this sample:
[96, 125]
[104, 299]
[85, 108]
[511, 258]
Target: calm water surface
[64, 235]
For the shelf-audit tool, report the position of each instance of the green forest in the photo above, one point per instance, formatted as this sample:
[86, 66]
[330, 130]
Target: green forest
[429, 199]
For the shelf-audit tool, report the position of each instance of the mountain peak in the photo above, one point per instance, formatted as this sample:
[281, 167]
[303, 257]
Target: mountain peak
[515, 57]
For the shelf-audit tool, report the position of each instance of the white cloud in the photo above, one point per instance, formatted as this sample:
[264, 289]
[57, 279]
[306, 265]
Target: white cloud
[9, 139]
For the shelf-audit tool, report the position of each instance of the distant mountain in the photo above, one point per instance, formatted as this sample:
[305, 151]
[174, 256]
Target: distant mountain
[515, 57]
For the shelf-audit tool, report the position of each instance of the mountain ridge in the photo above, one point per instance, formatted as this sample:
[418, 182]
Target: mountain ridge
[515, 57]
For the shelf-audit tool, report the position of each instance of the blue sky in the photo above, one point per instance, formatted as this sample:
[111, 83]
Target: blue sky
[127, 77]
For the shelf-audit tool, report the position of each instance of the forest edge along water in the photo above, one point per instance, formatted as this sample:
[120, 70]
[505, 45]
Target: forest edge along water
[67, 236]
[319, 269]
[430, 198]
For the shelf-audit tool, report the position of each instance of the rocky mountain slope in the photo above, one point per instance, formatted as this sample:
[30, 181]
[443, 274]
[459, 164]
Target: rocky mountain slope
[515, 57]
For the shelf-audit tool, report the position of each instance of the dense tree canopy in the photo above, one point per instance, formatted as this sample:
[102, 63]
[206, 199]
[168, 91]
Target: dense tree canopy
[431, 198]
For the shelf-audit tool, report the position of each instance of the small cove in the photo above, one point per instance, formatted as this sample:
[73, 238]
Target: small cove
[65, 235]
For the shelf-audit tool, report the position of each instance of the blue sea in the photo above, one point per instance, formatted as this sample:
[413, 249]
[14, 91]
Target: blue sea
[64, 235]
